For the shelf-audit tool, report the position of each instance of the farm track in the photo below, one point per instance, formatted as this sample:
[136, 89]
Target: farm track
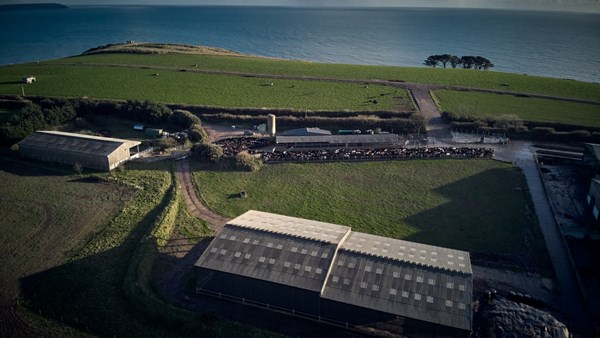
[195, 206]
[411, 86]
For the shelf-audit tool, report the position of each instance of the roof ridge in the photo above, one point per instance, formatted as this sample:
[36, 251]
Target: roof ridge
[411, 262]
[282, 233]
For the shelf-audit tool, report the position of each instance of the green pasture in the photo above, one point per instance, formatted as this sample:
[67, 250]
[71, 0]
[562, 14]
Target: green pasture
[463, 204]
[46, 214]
[484, 105]
[441, 76]
[172, 86]
[70, 240]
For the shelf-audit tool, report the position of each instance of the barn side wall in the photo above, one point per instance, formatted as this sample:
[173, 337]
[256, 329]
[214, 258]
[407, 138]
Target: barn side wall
[359, 316]
[97, 162]
[310, 303]
[250, 289]
[118, 156]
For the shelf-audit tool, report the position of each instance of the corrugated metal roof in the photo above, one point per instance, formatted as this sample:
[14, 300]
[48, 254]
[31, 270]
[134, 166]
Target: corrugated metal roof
[79, 143]
[291, 226]
[400, 288]
[339, 139]
[408, 279]
[271, 257]
[306, 132]
[410, 252]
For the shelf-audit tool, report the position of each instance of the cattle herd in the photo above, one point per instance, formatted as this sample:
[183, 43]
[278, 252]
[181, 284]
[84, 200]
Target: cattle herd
[256, 146]
[376, 154]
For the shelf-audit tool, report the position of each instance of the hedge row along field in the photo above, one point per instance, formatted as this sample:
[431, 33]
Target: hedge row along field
[441, 76]
[172, 86]
[473, 105]
[452, 203]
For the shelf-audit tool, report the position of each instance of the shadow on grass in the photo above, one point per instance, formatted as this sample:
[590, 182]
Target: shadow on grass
[491, 216]
[86, 293]
[12, 163]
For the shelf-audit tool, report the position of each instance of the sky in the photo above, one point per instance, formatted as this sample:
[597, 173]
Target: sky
[592, 6]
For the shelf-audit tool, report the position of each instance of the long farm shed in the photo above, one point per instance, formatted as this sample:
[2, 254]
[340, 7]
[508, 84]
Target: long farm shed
[330, 273]
[94, 152]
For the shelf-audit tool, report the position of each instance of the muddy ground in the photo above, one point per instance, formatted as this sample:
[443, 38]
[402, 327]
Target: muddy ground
[567, 184]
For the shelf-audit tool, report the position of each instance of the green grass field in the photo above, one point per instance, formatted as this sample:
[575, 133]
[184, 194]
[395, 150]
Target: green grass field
[482, 105]
[65, 250]
[47, 214]
[453, 77]
[68, 241]
[200, 89]
[463, 204]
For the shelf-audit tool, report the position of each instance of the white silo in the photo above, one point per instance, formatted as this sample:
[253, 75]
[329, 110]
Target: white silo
[271, 128]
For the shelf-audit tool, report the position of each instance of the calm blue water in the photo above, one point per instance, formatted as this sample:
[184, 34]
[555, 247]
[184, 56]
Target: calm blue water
[562, 45]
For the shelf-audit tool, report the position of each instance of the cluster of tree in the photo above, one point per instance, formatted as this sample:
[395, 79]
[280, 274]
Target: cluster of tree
[467, 62]
[34, 117]
[214, 153]
[49, 113]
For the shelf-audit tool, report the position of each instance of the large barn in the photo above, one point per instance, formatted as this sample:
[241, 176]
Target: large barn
[94, 152]
[329, 273]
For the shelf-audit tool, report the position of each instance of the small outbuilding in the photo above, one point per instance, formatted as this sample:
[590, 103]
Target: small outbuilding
[153, 132]
[139, 127]
[94, 152]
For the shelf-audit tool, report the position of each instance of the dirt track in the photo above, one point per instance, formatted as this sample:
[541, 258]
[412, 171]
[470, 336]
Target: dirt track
[195, 206]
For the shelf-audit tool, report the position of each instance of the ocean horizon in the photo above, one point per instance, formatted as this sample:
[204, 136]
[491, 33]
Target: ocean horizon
[542, 43]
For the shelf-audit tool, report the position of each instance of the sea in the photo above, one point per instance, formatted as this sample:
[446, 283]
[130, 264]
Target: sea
[552, 44]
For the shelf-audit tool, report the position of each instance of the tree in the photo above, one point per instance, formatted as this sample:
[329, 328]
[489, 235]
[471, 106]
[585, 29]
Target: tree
[208, 152]
[478, 62]
[432, 61]
[487, 64]
[467, 61]
[197, 133]
[245, 161]
[454, 61]
[444, 59]
[184, 118]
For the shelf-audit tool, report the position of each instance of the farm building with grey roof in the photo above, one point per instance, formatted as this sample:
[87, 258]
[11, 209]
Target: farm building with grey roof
[94, 152]
[374, 141]
[330, 273]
